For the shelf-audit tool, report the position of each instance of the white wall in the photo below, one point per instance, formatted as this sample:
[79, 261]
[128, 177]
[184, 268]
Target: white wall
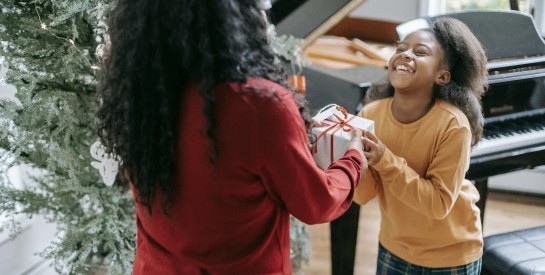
[19, 255]
[531, 181]
[539, 15]
[406, 10]
[388, 10]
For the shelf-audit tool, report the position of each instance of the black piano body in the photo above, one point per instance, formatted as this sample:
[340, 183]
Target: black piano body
[514, 107]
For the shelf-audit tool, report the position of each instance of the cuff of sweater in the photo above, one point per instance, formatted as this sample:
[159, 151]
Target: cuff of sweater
[356, 154]
[384, 161]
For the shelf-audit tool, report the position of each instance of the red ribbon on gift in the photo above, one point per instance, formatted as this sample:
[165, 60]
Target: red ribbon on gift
[337, 125]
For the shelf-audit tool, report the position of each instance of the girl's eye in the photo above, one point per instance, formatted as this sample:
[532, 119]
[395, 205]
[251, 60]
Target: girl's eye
[421, 51]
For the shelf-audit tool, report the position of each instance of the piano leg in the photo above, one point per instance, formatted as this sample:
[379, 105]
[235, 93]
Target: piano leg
[482, 187]
[343, 236]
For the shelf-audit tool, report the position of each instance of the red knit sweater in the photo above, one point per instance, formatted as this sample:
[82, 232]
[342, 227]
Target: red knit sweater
[235, 219]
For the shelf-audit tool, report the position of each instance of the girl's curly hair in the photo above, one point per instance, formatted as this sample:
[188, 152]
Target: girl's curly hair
[466, 60]
[158, 48]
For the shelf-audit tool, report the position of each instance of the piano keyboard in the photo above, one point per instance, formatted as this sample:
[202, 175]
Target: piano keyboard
[511, 134]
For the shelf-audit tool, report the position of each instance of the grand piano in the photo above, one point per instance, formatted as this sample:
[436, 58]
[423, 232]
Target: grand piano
[514, 107]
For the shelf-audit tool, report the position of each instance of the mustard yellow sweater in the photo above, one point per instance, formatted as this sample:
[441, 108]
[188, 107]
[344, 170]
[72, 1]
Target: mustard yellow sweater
[428, 212]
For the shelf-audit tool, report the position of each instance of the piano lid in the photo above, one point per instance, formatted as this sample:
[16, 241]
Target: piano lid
[504, 34]
[309, 19]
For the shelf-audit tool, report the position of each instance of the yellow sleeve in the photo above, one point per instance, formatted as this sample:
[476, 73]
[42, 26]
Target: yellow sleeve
[367, 189]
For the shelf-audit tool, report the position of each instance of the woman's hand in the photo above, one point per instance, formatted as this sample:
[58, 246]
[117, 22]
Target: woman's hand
[357, 143]
[315, 123]
[376, 148]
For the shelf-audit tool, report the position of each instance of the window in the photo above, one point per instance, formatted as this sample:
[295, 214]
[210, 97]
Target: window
[460, 5]
[536, 8]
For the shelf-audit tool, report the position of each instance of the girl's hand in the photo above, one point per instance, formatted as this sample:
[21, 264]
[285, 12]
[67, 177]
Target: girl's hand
[376, 148]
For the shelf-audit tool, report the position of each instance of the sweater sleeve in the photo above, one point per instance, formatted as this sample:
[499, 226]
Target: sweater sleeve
[369, 185]
[367, 189]
[289, 172]
[434, 195]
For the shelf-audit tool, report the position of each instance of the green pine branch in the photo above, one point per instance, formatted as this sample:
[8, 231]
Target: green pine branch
[51, 48]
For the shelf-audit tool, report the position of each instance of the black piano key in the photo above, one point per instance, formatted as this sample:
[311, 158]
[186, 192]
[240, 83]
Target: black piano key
[511, 127]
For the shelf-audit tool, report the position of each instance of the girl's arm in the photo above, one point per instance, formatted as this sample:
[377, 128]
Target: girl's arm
[435, 194]
[368, 188]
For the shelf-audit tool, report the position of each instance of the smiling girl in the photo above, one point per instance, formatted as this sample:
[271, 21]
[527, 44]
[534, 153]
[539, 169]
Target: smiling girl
[427, 118]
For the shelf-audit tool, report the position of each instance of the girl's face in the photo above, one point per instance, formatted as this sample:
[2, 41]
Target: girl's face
[417, 64]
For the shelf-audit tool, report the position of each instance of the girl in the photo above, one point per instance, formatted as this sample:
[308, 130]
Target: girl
[427, 118]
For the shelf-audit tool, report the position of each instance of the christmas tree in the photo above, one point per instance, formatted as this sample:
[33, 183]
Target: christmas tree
[52, 50]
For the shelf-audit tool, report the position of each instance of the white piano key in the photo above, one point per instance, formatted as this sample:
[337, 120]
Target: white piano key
[491, 145]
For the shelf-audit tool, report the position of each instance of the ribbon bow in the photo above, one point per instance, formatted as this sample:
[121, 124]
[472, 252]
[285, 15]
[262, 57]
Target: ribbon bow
[341, 123]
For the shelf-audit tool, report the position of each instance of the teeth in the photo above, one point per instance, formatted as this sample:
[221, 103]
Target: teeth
[403, 68]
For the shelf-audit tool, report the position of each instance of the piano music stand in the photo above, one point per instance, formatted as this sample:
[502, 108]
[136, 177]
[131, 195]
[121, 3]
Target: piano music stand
[495, 30]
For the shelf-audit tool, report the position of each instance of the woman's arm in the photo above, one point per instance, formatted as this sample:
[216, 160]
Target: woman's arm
[290, 174]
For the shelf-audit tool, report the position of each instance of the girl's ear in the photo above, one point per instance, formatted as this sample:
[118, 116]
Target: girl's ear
[443, 77]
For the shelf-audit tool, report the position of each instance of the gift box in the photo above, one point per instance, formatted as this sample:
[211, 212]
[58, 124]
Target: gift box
[335, 134]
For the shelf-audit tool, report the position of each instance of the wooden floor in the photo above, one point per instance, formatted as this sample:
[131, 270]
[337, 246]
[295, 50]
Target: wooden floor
[504, 212]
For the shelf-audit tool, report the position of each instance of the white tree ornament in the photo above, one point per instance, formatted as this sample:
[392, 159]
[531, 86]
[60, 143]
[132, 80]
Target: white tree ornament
[107, 165]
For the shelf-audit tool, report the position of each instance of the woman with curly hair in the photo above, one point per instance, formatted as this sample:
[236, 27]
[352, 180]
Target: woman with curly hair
[427, 118]
[213, 145]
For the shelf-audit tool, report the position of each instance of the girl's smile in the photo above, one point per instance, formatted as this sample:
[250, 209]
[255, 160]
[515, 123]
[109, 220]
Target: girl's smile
[404, 68]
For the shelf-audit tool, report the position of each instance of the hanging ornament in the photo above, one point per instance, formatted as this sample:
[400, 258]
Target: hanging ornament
[297, 83]
[106, 164]
[297, 79]
[264, 4]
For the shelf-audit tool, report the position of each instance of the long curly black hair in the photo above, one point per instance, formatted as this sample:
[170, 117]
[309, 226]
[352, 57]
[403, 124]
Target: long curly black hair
[158, 48]
[466, 60]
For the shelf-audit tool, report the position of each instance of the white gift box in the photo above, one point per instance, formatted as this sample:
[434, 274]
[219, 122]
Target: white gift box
[333, 138]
